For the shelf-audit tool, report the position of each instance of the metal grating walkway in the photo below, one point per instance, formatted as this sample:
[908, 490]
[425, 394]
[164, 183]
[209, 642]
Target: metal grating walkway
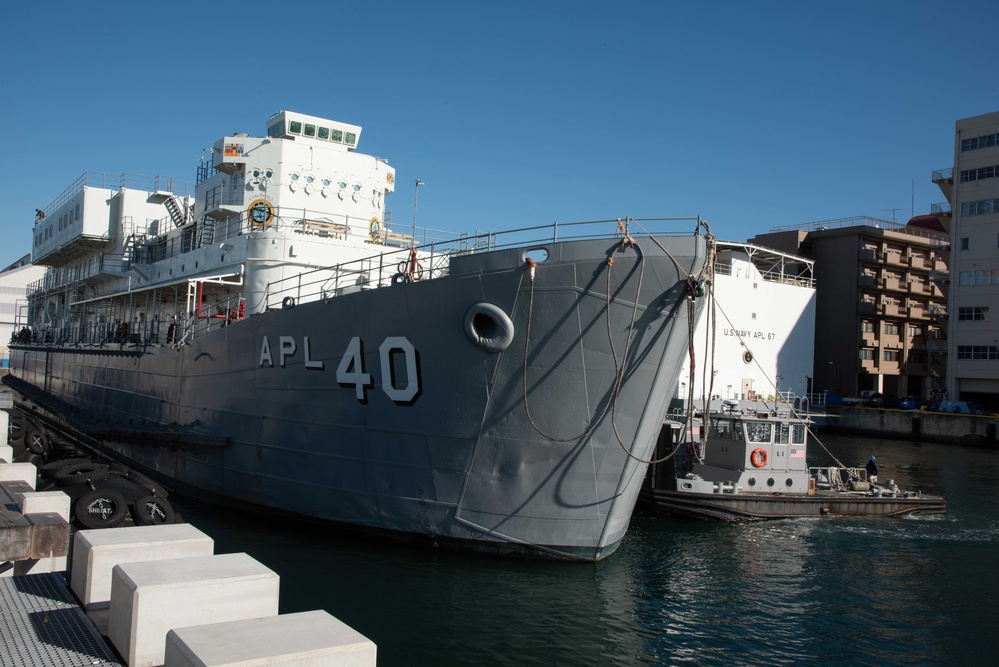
[42, 624]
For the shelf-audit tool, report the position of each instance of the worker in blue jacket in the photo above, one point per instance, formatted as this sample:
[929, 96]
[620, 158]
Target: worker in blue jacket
[872, 470]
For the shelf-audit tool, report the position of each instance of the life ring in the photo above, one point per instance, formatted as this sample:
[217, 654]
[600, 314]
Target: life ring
[400, 279]
[260, 212]
[288, 302]
[375, 230]
[758, 458]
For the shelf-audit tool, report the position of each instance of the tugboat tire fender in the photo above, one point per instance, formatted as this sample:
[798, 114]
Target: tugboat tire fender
[488, 327]
[758, 457]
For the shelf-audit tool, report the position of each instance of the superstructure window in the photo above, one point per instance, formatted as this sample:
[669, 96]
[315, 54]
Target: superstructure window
[295, 127]
[337, 136]
[973, 313]
[310, 130]
[323, 133]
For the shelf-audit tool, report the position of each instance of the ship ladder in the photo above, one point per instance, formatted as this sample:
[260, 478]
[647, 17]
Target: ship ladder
[207, 232]
[177, 214]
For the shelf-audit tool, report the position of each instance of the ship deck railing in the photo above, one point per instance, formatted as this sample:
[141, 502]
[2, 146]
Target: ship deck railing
[410, 261]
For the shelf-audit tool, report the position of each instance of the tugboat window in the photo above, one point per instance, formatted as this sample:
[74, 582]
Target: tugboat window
[759, 431]
[295, 127]
[310, 130]
[337, 136]
[324, 133]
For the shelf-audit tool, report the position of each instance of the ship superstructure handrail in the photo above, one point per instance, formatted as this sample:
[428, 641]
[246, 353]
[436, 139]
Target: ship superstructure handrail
[433, 259]
[97, 179]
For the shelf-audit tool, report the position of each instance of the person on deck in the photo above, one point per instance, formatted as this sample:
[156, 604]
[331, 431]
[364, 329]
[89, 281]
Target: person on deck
[872, 470]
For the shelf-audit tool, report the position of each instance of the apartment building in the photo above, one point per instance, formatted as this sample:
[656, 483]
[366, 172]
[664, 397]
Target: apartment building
[972, 191]
[881, 303]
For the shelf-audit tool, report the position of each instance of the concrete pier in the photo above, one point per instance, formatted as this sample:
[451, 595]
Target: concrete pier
[307, 638]
[148, 590]
[150, 598]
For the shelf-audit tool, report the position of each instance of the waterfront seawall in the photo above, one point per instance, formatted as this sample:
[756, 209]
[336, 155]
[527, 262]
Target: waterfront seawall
[915, 425]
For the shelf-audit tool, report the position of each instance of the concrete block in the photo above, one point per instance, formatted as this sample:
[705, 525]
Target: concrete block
[6, 452]
[36, 502]
[19, 472]
[312, 638]
[96, 552]
[148, 599]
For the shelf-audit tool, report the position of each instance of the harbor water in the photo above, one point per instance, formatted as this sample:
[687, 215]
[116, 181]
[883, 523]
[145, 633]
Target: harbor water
[857, 591]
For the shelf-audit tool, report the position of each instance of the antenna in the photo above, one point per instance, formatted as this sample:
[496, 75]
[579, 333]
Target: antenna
[893, 212]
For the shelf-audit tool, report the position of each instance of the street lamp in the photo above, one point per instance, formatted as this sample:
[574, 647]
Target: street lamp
[416, 198]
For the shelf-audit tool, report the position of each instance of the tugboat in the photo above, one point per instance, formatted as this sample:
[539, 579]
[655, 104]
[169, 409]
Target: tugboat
[752, 465]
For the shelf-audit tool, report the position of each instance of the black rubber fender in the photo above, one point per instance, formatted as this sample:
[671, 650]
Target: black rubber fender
[16, 427]
[36, 440]
[80, 472]
[146, 483]
[152, 511]
[101, 508]
[50, 469]
[488, 327]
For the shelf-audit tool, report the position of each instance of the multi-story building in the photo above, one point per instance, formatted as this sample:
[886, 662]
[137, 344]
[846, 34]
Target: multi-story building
[880, 306]
[972, 191]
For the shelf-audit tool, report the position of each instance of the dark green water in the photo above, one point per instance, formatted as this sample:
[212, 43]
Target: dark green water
[913, 591]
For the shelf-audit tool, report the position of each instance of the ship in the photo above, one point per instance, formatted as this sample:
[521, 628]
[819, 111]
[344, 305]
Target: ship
[268, 338]
[745, 465]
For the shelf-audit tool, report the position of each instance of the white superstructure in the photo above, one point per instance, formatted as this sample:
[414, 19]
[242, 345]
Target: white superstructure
[765, 330]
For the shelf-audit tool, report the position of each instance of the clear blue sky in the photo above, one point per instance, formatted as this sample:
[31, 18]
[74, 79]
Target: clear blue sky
[751, 114]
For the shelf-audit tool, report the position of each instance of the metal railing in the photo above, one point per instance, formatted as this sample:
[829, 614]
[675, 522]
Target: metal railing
[943, 175]
[432, 260]
[96, 179]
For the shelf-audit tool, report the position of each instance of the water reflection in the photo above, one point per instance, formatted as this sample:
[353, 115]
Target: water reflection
[807, 591]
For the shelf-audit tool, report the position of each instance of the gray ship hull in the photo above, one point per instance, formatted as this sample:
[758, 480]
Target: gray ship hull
[387, 409]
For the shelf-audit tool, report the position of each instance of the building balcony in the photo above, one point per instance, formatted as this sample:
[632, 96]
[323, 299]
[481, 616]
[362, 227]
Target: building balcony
[894, 259]
[893, 284]
[915, 312]
[868, 255]
[867, 308]
[940, 276]
[941, 210]
[890, 309]
[943, 175]
[867, 281]
[938, 345]
[938, 312]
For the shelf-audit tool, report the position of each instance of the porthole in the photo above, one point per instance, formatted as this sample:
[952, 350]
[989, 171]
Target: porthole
[770, 482]
[752, 481]
[747, 357]
[789, 482]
